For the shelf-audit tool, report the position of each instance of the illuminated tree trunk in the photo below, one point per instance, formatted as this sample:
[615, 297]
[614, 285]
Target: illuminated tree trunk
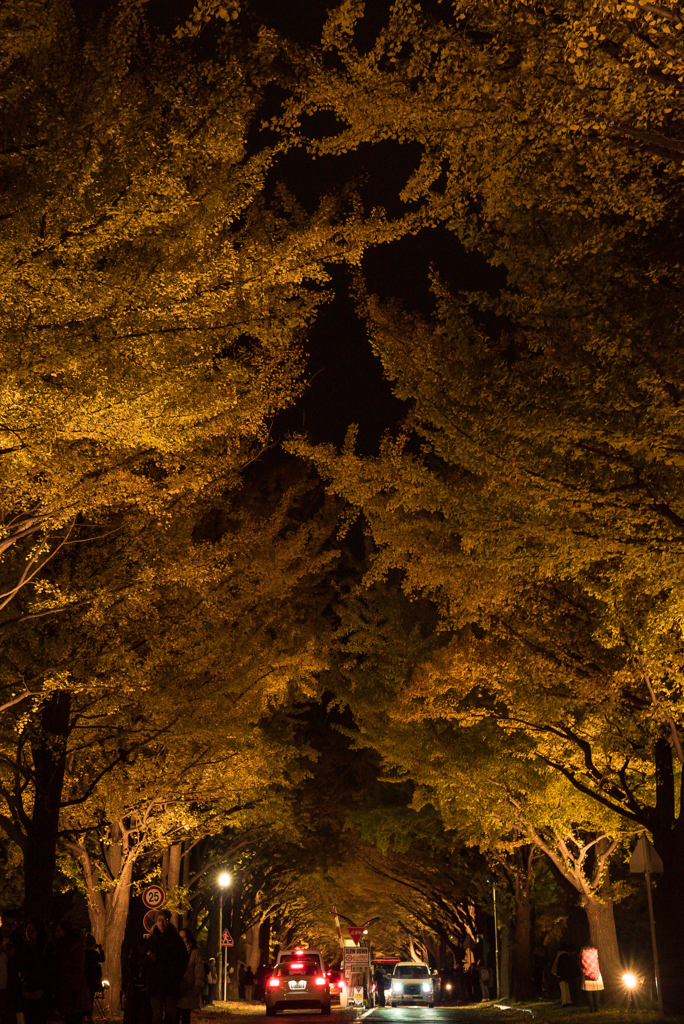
[174, 874]
[601, 918]
[108, 907]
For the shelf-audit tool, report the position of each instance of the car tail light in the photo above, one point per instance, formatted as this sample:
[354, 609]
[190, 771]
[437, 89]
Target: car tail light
[274, 982]
[296, 966]
[320, 981]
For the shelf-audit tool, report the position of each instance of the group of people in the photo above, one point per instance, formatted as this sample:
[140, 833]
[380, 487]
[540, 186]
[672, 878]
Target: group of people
[167, 976]
[44, 978]
[467, 983]
[575, 973]
[42, 975]
[246, 983]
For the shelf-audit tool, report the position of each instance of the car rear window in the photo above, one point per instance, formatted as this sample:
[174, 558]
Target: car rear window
[309, 963]
[411, 972]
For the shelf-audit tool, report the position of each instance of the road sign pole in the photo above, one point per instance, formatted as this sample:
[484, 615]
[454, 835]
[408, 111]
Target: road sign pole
[656, 967]
[220, 949]
[496, 944]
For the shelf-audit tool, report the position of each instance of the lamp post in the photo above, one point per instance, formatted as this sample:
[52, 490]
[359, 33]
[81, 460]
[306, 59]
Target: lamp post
[224, 882]
[496, 942]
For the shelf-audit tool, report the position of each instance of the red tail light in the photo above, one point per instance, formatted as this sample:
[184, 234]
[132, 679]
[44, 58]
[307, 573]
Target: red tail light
[296, 966]
[320, 981]
[274, 982]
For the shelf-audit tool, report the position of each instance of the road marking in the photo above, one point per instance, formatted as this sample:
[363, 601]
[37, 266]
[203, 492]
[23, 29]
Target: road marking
[367, 1012]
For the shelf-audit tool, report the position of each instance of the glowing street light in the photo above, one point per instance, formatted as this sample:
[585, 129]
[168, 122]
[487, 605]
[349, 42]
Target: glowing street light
[630, 981]
[224, 879]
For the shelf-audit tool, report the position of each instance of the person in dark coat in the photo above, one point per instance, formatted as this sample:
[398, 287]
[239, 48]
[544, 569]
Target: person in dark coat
[249, 984]
[72, 998]
[379, 979]
[167, 961]
[93, 968]
[137, 1009]
[35, 973]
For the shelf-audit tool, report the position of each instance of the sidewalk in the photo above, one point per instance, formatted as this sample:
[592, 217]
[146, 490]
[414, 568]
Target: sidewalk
[554, 1013]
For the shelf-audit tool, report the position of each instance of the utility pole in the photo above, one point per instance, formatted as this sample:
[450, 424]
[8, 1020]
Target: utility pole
[496, 942]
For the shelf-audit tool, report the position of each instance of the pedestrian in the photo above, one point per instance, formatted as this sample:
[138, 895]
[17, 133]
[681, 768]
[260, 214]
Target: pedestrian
[167, 960]
[212, 979]
[379, 979]
[249, 984]
[35, 972]
[484, 980]
[137, 1009]
[241, 981]
[94, 958]
[193, 979]
[70, 988]
[564, 970]
[592, 982]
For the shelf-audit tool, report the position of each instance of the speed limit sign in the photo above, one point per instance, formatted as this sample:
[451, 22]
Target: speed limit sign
[153, 897]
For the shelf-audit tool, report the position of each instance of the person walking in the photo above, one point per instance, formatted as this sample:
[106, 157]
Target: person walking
[137, 1009]
[241, 981]
[592, 982]
[212, 978]
[249, 984]
[564, 970]
[484, 973]
[34, 973]
[379, 979]
[167, 960]
[70, 988]
[193, 979]
[94, 958]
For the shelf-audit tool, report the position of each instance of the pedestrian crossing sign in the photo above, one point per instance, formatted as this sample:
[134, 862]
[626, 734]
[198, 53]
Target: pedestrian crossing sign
[226, 938]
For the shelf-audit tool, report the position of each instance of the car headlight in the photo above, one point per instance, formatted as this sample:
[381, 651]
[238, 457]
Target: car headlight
[427, 986]
[397, 986]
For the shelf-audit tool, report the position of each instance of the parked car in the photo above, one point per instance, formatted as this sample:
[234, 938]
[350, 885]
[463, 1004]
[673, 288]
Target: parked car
[298, 983]
[412, 983]
[338, 986]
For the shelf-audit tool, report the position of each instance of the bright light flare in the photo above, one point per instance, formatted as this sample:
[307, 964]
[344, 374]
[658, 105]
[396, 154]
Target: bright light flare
[629, 981]
[274, 982]
[320, 982]
[224, 879]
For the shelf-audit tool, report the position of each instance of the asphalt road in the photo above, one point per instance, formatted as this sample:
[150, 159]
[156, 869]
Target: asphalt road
[483, 1014]
[475, 1013]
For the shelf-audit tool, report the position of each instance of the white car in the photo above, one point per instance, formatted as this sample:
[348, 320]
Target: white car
[412, 983]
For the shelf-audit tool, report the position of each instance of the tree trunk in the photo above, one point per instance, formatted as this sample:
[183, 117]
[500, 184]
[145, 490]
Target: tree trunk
[601, 919]
[504, 956]
[252, 946]
[523, 935]
[668, 897]
[109, 909]
[49, 760]
[174, 875]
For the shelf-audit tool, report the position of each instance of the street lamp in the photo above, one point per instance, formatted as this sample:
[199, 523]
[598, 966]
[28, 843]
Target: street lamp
[224, 881]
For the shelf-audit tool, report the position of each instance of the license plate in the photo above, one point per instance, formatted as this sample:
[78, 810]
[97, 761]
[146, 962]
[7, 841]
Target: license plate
[297, 985]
